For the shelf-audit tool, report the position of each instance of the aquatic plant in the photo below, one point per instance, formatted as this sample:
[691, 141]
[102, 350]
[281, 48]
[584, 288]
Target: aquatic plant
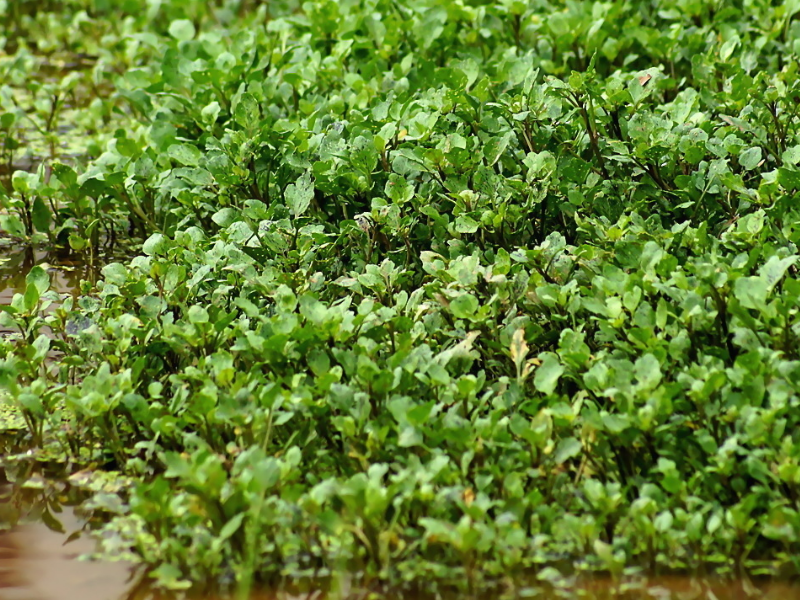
[424, 289]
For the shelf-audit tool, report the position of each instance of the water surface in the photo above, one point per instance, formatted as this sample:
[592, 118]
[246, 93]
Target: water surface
[66, 270]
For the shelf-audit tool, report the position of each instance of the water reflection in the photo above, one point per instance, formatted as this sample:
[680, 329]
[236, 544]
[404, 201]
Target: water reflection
[66, 270]
[35, 564]
[42, 534]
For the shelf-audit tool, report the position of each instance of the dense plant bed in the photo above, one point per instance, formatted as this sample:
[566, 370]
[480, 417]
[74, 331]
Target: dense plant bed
[426, 289]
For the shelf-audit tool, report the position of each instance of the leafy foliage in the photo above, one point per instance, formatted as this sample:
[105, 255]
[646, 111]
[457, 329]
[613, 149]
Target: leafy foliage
[426, 289]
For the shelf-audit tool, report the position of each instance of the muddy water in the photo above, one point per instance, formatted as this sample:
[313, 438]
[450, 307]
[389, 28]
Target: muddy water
[66, 272]
[42, 535]
[36, 564]
[42, 530]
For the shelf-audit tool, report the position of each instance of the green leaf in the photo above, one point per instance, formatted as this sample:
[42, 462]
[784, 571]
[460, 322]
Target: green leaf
[155, 244]
[750, 158]
[364, 155]
[615, 423]
[231, 527]
[791, 156]
[663, 521]
[604, 551]
[31, 298]
[39, 278]
[300, 194]
[247, 112]
[42, 346]
[197, 315]
[22, 181]
[260, 255]
[210, 112]
[789, 178]
[12, 225]
[185, 154]
[51, 522]
[76, 242]
[182, 30]
[567, 448]
[648, 371]
[466, 224]
[775, 268]
[751, 292]
[495, 147]
[398, 189]
[225, 217]
[170, 577]
[31, 403]
[40, 214]
[548, 373]
[464, 306]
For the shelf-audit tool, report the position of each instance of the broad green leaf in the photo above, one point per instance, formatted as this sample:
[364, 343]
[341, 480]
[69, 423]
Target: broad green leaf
[663, 521]
[466, 224]
[185, 154]
[31, 297]
[260, 255]
[41, 215]
[247, 112]
[464, 306]
[791, 156]
[182, 30]
[23, 182]
[300, 194]
[496, 147]
[39, 278]
[197, 315]
[751, 292]
[363, 155]
[567, 448]
[398, 189]
[548, 373]
[789, 178]
[648, 371]
[225, 217]
[12, 225]
[775, 268]
[750, 158]
[155, 244]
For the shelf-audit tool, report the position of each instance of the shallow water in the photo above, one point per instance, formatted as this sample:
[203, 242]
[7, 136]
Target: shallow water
[35, 563]
[65, 271]
[41, 539]
[39, 560]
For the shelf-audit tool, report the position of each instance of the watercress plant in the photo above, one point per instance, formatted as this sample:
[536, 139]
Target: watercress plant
[423, 289]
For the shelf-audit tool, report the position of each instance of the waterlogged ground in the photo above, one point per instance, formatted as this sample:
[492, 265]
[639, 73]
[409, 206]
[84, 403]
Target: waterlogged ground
[47, 540]
[38, 563]
[46, 545]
